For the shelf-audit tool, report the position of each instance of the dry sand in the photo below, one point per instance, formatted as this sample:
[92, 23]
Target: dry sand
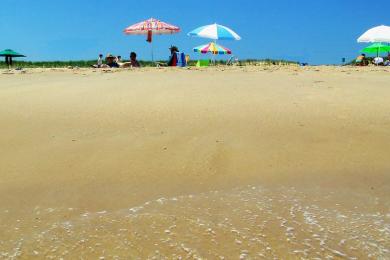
[243, 162]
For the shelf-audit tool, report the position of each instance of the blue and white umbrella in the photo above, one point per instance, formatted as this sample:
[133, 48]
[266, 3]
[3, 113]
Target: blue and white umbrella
[215, 32]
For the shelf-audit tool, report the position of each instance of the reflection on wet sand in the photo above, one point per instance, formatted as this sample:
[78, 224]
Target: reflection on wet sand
[243, 223]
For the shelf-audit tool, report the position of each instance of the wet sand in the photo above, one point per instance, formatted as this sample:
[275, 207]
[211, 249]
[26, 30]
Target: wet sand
[252, 162]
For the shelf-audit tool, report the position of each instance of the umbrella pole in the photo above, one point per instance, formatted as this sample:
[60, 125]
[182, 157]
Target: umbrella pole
[8, 61]
[215, 41]
[152, 51]
[213, 58]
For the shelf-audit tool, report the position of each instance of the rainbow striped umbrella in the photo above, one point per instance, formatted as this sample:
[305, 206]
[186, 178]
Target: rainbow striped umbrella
[213, 48]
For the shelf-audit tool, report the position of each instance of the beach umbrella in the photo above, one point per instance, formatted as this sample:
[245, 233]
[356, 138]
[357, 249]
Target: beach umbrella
[151, 27]
[212, 48]
[376, 34]
[215, 32]
[376, 48]
[9, 54]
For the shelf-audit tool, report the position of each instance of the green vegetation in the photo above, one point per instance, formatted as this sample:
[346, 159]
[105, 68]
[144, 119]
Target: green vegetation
[266, 62]
[49, 64]
[89, 63]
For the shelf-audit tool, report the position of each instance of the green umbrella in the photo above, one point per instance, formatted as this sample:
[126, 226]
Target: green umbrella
[9, 54]
[377, 48]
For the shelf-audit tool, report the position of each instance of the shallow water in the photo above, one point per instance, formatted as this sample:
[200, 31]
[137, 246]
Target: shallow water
[243, 223]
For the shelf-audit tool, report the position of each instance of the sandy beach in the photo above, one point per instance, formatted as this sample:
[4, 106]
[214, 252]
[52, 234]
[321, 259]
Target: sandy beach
[242, 162]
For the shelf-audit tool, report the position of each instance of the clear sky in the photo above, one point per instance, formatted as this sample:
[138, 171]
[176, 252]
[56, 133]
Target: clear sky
[314, 31]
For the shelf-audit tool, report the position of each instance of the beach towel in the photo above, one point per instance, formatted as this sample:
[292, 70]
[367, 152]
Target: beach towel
[203, 63]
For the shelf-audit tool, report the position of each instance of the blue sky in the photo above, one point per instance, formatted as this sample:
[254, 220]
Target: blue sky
[318, 32]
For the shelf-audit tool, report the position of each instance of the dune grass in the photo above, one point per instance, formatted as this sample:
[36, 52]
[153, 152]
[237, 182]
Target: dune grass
[89, 63]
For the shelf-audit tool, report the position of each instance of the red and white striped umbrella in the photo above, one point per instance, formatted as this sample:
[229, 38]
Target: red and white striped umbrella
[150, 27]
[153, 26]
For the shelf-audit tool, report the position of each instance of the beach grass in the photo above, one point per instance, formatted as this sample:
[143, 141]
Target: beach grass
[89, 63]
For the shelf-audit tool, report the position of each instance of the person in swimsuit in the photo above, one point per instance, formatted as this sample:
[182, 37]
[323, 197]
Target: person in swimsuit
[361, 60]
[133, 60]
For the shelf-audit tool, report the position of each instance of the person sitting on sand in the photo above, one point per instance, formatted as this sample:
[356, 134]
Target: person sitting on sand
[133, 60]
[99, 62]
[387, 62]
[378, 61]
[133, 63]
[173, 59]
[110, 62]
[118, 59]
[361, 60]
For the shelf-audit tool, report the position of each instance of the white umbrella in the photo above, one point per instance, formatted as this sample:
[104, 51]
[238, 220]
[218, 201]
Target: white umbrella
[215, 32]
[376, 34]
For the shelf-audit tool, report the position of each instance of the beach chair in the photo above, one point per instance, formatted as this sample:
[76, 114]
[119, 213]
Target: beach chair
[229, 61]
[203, 63]
[233, 60]
[181, 59]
